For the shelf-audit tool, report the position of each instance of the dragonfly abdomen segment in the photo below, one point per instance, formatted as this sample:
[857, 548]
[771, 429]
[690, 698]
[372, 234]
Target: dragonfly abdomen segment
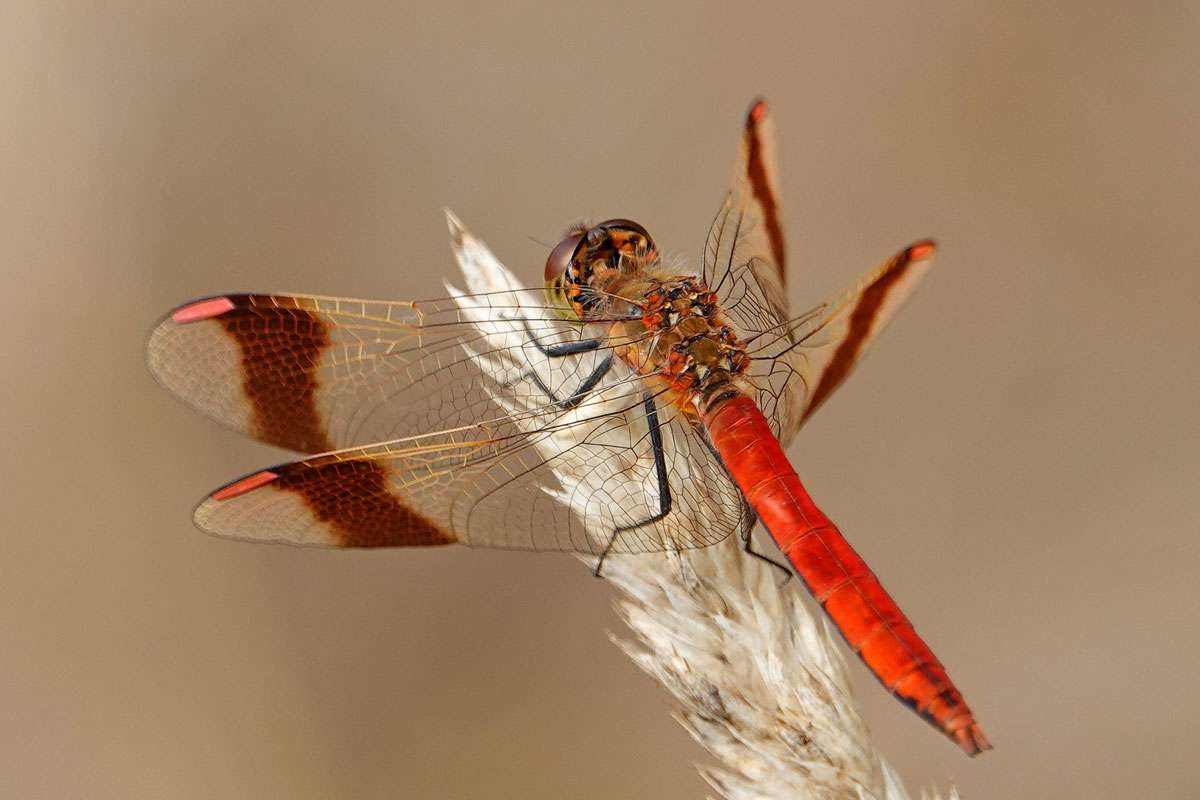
[871, 622]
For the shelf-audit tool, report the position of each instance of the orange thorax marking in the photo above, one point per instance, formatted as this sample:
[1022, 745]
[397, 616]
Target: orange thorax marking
[682, 343]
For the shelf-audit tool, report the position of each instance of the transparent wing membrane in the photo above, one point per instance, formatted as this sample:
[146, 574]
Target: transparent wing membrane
[318, 373]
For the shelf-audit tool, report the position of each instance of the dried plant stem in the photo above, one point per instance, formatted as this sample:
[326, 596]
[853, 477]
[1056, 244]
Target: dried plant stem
[760, 681]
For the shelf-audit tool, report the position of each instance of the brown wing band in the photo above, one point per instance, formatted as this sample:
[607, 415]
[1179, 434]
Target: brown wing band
[756, 173]
[283, 399]
[861, 320]
[353, 498]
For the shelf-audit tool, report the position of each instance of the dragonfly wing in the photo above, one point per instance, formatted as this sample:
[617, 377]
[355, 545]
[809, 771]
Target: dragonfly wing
[796, 371]
[744, 254]
[581, 481]
[315, 374]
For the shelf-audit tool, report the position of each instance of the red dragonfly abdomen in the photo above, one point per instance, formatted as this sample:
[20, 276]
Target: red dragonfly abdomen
[871, 622]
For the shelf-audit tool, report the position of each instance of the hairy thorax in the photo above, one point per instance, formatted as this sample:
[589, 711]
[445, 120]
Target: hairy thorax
[682, 344]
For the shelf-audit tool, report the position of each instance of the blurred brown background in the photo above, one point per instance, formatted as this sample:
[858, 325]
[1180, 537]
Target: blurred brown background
[1018, 458]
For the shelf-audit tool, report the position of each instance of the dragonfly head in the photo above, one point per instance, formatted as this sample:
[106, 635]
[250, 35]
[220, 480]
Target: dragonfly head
[583, 269]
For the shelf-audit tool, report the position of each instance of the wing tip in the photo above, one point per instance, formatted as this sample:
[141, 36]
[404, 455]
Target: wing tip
[243, 485]
[922, 250]
[758, 111]
[200, 310]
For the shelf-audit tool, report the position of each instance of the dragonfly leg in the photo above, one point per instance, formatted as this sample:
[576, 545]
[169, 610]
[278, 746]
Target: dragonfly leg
[584, 389]
[560, 349]
[660, 472]
[747, 545]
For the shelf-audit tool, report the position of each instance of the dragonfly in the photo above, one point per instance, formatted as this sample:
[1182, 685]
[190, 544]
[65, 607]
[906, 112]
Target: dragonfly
[625, 406]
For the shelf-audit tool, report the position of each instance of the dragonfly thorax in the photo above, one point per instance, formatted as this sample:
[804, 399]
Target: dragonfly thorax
[667, 328]
[685, 343]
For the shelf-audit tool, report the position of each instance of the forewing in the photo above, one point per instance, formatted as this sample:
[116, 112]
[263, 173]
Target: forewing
[744, 254]
[796, 370]
[314, 374]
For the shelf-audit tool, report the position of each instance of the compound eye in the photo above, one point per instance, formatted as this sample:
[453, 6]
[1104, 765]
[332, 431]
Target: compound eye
[560, 256]
[624, 225]
[626, 235]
